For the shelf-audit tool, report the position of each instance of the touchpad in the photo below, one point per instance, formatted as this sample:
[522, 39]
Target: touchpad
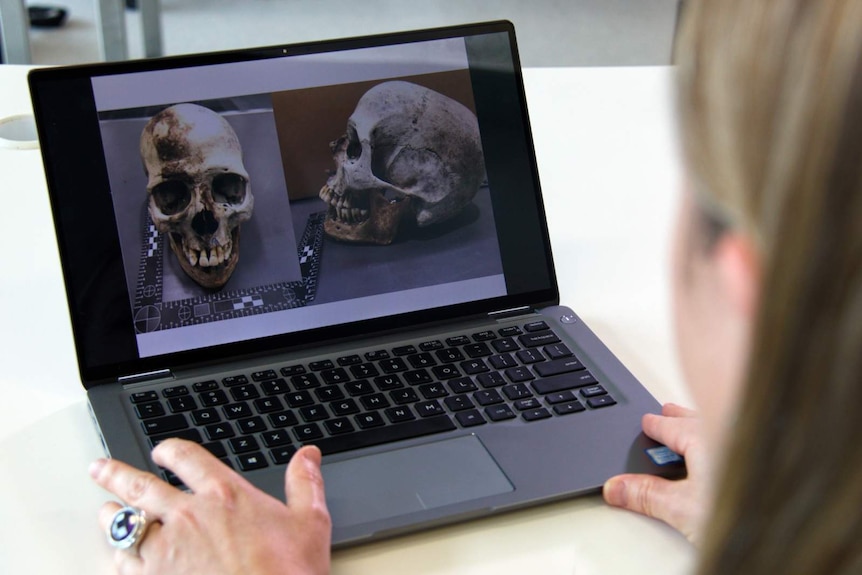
[411, 479]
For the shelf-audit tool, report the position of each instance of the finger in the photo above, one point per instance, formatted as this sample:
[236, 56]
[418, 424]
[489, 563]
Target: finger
[196, 466]
[128, 563]
[303, 485]
[677, 433]
[674, 410]
[645, 494]
[107, 512]
[135, 487]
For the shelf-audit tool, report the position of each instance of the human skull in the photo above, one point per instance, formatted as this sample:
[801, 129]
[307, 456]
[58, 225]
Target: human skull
[410, 155]
[198, 189]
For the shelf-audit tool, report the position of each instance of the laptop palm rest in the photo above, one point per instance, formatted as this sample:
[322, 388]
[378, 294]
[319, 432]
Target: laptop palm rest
[411, 479]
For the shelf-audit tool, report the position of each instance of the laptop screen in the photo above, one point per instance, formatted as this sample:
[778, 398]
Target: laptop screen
[235, 202]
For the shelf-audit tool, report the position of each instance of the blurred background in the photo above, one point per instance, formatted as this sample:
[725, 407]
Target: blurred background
[550, 32]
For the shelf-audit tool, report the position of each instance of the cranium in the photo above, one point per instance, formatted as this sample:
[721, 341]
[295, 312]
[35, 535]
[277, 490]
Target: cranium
[410, 155]
[198, 189]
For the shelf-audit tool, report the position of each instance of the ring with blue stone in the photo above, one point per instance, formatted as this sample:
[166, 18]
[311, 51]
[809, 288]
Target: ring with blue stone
[128, 528]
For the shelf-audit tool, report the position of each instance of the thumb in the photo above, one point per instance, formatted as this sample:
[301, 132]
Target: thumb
[645, 494]
[303, 482]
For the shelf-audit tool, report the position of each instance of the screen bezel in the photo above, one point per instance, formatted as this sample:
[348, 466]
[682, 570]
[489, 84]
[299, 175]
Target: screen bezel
[67, 120]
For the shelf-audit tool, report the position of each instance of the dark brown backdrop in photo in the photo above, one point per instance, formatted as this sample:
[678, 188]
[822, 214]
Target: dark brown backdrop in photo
[308, 119]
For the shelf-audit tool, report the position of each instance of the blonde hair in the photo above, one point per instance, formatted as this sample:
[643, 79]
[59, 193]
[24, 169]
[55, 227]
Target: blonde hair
[770, 100]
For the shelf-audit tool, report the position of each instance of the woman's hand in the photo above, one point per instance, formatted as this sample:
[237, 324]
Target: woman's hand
[683, 504]
[227, 526]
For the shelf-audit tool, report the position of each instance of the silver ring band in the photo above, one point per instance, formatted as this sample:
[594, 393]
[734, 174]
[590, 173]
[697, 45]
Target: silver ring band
[127, 529]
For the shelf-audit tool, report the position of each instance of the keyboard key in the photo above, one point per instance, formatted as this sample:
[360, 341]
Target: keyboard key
[447, 371]
[364, 370]
[431, 345]
[555, 384]
[394, 365]
[421, 360]
[429, 408]
[361, 387]
[307, 432]
[538, 338]
[292, 370]
[399, 414]
[191, 434]
[388, 382]
[321, 365]
[557, 351]
[433, 390]
[510, 331]
[282, 419]
[462, 385]
[149, 409]
[142, 396]
[219, 431]
[205, 416]
[505, 345]
[313, 413]
[536, 326]
[517, 391]
[377, 355]
[175, 390]
[348, 360]
[263, 375]
[237, 410]
[499, 412]
[344, 407]
[535, 414]
[569, 407]
[329, 393]
[450, 355]
[333, 376]
[474, 366]
[268, 404]
[305, 381]
[601, 401]
[375, 401]
[560, 397]
[243, 444]
[216, 448]
[593, 391]
[519, 374]
[476, 350]
[369, 420]
[165, 424]
[299, 399]
[492, 379]
[558, 366]
[503, 361]
[274, 386]
[528, 403]
[250, 461]
[418, 377]
[213, 398]
[232, 380]
[530, 356]
[251, 425]
[470, 418]
[488, 397]
[282, 455]
[275, 437]
[376, 436]
[458, 403]
[244, 392]
[404, 350]
[486, 335]
[182, 403]
[210, 385]
[403, 396]
[338, 426]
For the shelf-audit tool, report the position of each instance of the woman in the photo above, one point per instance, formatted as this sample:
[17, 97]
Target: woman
[768, 296]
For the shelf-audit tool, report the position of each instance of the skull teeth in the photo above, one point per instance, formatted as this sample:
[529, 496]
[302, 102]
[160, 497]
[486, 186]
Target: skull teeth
[208, 259]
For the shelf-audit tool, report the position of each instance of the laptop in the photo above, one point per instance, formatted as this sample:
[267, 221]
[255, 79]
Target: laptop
[340, 243]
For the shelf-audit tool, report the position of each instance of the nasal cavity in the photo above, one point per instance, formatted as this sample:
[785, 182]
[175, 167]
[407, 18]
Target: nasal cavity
[204, 223]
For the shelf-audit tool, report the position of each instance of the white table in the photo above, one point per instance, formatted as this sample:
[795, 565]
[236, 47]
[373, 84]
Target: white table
[609, 173]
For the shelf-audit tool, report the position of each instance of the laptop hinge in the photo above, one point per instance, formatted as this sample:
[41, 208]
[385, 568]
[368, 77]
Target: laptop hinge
[146, 377]
[505, 313]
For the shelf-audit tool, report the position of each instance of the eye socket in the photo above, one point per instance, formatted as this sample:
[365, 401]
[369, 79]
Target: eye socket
[172, 196]
[229, 189]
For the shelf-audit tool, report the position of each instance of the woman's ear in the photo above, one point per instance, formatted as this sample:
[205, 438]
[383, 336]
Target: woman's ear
[737, 264]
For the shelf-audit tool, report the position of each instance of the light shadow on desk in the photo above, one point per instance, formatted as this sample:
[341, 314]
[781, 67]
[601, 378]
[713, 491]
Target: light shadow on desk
[48, 504]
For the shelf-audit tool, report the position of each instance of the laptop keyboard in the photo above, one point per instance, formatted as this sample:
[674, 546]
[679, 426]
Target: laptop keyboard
[258, 419]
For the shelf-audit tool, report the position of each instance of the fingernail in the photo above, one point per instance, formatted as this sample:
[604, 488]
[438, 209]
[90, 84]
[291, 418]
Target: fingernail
[96, 467]
[312, 458]
[614, 491]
